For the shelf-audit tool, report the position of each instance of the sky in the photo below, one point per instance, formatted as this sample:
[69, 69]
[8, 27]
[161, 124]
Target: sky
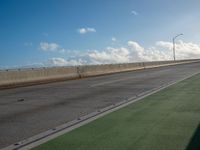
[78, 32]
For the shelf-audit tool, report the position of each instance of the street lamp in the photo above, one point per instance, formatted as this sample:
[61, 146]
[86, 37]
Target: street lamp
[174, 46]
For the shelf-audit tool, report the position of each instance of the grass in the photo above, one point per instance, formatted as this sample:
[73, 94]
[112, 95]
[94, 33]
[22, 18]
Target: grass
[167, 120]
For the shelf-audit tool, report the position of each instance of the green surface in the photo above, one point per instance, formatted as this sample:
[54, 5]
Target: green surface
[167, 120]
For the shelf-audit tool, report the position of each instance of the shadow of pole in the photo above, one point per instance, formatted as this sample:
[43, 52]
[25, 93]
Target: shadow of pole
[194, 143]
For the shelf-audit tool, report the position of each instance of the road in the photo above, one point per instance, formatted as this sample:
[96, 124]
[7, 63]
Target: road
[27, 111]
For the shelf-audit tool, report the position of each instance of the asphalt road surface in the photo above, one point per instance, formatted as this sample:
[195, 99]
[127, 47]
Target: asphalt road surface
[27, 111]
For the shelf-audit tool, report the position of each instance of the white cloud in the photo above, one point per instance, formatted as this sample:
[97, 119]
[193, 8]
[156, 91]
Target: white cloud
[51, 47]
[114, 39]
[86, 30]
[110, 55]
[132, 52]
[134, 12]
[62, 62]
[163, 44]
[82, 31]
[183, 50]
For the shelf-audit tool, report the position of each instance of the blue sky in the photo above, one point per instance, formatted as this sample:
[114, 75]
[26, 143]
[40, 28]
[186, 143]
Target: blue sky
[27, 24]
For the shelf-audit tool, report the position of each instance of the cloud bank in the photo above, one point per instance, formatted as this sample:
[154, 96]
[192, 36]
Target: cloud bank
[62, 62]
[132, 52]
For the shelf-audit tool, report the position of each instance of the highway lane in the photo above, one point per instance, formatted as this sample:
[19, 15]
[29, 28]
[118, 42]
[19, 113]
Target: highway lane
[27, 111]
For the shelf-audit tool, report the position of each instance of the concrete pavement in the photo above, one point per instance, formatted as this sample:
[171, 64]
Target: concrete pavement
[27, 111]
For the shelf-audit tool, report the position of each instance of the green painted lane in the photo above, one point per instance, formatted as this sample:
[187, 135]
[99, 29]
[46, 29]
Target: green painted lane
[167, 120]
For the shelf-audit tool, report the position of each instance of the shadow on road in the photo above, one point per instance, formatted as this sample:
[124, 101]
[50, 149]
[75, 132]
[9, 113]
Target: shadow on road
[194, 143]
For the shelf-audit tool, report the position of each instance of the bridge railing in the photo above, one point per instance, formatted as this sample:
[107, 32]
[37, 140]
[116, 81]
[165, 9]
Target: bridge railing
[30, 76]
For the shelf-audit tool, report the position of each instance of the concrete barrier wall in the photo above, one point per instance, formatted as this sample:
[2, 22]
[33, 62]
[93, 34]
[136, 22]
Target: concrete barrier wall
[22, 77]
[10, 78]
[86, 71]
[168, 63]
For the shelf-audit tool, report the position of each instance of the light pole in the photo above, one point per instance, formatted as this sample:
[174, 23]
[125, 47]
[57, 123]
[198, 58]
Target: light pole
[174, 46]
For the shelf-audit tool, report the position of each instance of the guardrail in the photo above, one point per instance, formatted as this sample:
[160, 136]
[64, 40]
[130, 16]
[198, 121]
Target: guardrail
[31, 76]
